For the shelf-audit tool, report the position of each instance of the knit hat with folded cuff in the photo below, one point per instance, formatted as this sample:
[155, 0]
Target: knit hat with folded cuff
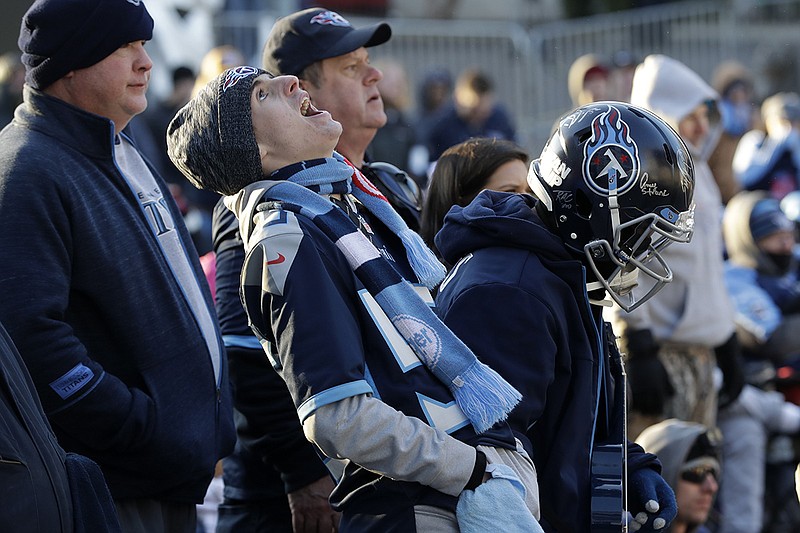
[767, 218]
[59, 36]
[211, 139]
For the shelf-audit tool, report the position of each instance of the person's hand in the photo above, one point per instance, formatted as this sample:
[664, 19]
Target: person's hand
[651, 501]
[649, 382]
[729, 361]
[311, 512]
[497, 504]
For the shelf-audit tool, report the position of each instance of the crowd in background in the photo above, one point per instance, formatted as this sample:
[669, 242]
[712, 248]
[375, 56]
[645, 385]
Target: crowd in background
[732, 366]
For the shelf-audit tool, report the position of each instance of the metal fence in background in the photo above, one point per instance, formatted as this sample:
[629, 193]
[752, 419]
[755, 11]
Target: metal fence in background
[530, 65]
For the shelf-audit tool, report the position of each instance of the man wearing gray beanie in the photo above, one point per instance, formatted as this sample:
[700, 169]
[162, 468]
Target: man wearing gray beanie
[103, 292]
[330, 57]
[326, 286]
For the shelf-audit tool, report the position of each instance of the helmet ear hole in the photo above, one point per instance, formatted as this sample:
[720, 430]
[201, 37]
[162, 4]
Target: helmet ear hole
[584, 136]
[583, 205]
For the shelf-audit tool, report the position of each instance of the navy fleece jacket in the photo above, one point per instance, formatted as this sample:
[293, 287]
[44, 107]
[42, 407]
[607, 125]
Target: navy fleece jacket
[117, 357]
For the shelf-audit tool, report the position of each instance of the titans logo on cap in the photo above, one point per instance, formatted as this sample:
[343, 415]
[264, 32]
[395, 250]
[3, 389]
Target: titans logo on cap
[610, 158]
[330, 17]
[234, 75]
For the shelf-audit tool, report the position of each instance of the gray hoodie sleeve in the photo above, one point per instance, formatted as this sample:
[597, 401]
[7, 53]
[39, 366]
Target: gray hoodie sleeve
[384, 440]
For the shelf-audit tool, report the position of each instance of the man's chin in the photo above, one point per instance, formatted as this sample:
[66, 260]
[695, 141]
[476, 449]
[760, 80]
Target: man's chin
[378, 121]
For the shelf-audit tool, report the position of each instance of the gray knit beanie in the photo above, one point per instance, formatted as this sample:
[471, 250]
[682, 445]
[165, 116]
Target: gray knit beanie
[211, 138]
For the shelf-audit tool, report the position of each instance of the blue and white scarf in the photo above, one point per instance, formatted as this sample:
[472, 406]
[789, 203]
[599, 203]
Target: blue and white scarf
[482, 394]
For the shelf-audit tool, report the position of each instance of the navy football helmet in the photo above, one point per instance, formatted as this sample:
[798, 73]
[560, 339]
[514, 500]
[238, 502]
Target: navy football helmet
[616, 184]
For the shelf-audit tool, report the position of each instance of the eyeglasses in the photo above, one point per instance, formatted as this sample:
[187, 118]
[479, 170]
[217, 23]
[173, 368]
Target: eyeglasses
[698, 474]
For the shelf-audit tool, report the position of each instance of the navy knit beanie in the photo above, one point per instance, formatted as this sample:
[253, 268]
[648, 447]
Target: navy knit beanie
[767, 218]
[58, 36]
[211, 138]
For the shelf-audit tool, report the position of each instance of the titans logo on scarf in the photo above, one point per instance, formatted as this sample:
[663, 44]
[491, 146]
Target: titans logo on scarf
[422, 338]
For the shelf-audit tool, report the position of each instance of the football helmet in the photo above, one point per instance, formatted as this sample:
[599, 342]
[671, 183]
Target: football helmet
[616, 184]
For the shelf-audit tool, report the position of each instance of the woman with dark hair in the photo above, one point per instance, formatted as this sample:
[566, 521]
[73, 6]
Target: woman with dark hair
[466, 169]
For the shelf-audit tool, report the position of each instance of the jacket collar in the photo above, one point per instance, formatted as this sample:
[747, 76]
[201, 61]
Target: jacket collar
[90, 134]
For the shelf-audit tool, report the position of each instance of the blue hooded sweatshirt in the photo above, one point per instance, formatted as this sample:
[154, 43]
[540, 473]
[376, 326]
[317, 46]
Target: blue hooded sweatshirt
[518, 298]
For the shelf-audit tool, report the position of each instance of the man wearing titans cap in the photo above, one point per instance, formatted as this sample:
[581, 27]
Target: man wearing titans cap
[103, 292]
[331, 59]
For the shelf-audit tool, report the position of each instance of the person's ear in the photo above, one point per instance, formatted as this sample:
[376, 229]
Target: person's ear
[263, 152]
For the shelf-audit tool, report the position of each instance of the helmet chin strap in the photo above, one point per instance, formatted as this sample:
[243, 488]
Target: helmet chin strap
[613, 206]
[593, 286]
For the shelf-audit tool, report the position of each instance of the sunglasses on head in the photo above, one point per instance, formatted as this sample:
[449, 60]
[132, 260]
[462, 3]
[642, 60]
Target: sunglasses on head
[699, 473]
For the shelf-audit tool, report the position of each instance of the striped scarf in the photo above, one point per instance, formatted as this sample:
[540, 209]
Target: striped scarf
[482, 394]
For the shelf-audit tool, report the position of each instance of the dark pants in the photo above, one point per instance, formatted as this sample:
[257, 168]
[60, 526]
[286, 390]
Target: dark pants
[154, 516]
[254, 516]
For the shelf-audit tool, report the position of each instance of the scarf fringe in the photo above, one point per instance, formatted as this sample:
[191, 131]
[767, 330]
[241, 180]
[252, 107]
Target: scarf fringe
[484, 396]
[425, 265]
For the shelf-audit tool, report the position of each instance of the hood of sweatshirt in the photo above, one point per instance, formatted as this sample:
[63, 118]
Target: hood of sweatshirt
[670, 440]
[672, 90]
[497, 219]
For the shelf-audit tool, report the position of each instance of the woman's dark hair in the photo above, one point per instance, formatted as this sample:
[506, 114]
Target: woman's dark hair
[460, 174]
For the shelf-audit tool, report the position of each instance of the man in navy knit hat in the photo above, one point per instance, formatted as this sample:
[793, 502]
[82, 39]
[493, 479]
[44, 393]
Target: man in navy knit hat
[102, 290]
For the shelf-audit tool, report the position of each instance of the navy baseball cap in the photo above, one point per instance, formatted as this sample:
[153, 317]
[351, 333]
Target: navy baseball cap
[305, 37]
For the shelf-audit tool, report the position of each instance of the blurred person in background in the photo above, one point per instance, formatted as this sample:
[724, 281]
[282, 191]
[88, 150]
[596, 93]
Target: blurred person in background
[433, 94]
[770, 159]
[588, 80]
[473, 112]
[675, 341]
[157, 117]
[738, 112]
[217, 60]
[761, 275]
[12, 78]
[394, 141]
[623, 65]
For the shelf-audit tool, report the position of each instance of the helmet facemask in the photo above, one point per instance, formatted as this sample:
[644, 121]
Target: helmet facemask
[636, 249]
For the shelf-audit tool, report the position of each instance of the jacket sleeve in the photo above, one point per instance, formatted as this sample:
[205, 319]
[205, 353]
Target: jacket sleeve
[638, 458]
[40, 249]
[267, 423]
[384, 440]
